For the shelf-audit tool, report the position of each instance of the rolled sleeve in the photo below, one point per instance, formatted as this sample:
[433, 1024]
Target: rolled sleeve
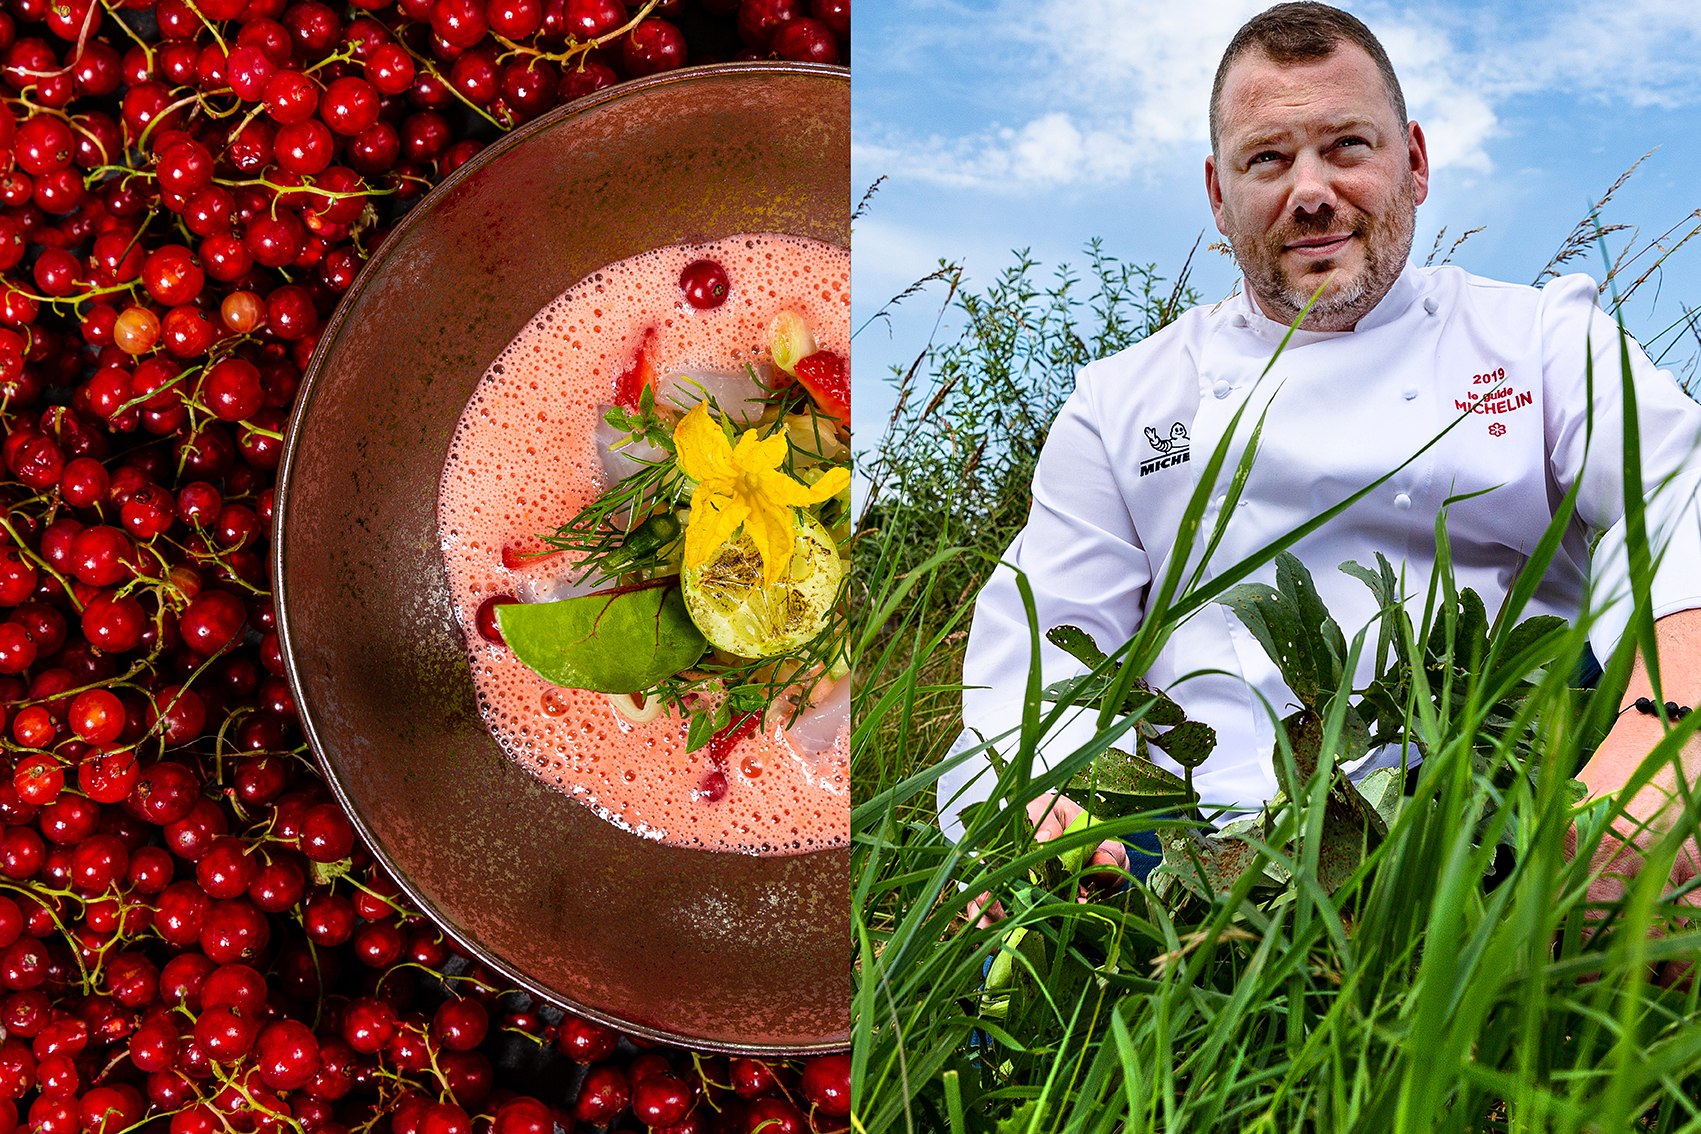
[1591, 451]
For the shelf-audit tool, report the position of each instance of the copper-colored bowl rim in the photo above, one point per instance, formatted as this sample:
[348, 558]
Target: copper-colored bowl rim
[418, 215]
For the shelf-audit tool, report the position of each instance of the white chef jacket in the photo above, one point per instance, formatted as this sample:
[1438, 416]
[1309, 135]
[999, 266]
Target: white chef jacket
[1344, 408]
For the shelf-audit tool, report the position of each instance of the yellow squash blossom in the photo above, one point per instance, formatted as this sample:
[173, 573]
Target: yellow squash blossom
[743, 484]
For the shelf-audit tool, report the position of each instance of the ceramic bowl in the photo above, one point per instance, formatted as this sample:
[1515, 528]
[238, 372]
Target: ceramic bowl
[722, 951]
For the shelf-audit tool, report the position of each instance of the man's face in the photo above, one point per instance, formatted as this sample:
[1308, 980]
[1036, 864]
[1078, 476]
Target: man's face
[1315, 175]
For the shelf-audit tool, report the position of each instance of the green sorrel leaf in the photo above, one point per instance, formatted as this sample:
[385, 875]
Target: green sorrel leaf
[620, 641]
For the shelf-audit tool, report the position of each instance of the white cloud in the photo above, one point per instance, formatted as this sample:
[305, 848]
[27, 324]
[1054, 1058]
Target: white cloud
[1457, 117]
[1644, 52]
[889, 257]
[1108, 90]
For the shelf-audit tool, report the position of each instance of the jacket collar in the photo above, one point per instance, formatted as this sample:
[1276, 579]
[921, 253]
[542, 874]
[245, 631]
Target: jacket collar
[1397, 302]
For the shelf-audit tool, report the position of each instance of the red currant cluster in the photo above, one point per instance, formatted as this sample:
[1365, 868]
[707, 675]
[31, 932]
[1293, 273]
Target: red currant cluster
[190, 934]
[130, 997]
[703, 1095]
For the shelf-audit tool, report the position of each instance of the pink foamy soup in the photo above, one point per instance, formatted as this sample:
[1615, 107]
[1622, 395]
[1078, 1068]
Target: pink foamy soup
[524, 460]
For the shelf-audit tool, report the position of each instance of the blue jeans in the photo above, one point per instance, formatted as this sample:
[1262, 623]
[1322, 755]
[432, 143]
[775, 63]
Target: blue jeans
[1144, 853]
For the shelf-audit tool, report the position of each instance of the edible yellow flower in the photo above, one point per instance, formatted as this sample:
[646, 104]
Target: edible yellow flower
[743, 485]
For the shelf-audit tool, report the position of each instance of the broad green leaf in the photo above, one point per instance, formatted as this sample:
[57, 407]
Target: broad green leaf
[1274, 621]
[1030, 990]
[999, 976]
[1163, 712]
[1350, 825]
[1576, 791]
[619, 641]
[1257, 605]
[1305, 733]
[1385, 585]
[1471, 645]
[1292, 624]
[1188, 743]
[1381, 790]
[702, 730]
[1470, 631]
[1351, 829]
[1531, 629]
[1204, 864]
[1323, 641]
[1024, 1118]
[1089, 692]
[1382, 583]
[1116, 772]
[1078, 643]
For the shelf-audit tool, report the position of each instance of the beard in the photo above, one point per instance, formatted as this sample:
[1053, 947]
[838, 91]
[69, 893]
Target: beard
[1386, 240]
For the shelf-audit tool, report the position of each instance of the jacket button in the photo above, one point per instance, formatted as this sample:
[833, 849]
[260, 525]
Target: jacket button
[1403, 502]
[1411, 392]
[1431, 305]
[1222, 388]
[1238, 319]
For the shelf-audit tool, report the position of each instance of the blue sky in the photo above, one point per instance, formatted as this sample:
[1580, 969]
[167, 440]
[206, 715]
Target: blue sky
[1044, 123]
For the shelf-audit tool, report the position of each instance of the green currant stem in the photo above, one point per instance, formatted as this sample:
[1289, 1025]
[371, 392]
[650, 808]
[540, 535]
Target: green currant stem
[444, 977]
[521, 1032]
[430, 68]
[211, 112]
[147, 48]
[243, 125]
[53, 912]
[578, 50]
[210, 25]
[338, 57]
[218, 742]
[147, 132]
[81, 297]
[140, 398]
[6, 523]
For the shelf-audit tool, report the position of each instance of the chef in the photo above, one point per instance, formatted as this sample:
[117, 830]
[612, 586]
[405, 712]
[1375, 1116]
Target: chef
[1314, 177]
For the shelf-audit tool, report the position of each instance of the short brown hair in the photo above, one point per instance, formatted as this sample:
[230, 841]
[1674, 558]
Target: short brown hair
[1299, 33]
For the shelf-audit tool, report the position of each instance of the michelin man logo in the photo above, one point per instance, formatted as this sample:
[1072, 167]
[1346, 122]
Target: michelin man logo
[1172, 450]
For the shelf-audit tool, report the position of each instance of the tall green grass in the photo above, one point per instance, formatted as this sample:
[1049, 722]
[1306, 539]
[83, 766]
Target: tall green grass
[1398, 992]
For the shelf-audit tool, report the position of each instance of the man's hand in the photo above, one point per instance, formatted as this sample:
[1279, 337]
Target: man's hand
[1051, 816]
[1658, 806]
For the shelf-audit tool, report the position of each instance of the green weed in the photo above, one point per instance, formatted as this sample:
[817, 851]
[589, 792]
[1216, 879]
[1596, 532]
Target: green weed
[1336, 964]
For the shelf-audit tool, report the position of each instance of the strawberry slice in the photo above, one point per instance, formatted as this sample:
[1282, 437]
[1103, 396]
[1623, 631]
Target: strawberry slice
[827, 378]
[638, 374]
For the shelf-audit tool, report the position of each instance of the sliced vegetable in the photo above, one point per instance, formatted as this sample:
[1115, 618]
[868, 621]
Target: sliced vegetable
[789, 339]
[728, 601]
[646, 545]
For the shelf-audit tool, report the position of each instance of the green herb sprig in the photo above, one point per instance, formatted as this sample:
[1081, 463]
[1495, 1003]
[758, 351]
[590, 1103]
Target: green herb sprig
[633, 530]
